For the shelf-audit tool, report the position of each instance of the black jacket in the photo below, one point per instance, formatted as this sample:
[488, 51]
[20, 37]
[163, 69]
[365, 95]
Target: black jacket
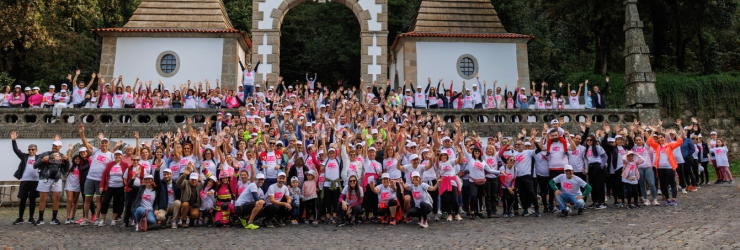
[598, 100]
[24, 159]
[162, 201]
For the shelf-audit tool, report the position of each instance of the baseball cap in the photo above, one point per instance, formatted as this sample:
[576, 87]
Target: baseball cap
[568, 167]
[610, 140]
[148, 176]
[26, 89]
[36, 88]
[260, 176]
[281, 174]
[57, 143]
[311, 172]
[555, 121]
[118, 152]
[374, 131]
[193, 176]
[572, 91]
[83, 149]
[415, 174]
[713, 133]
[413, 157]
[104, 139]
[385, 175]
[294, 179]
[52, 86]
[167, 170]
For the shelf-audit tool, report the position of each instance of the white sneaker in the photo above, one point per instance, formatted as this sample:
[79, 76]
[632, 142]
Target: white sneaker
[660, 192]
[683, 191]
[136, 226]
[647, 203]
[112, 223]
[101, 223]
[85, 222]
[174, 225]
[648, 192]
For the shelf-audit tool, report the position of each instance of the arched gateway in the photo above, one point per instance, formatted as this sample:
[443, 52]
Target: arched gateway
[267, 16]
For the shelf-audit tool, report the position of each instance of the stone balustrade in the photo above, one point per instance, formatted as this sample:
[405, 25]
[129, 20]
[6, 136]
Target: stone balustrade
[122, 123]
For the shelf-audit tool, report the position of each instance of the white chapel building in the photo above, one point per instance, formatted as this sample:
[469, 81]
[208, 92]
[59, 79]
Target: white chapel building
[454, 40]
[176, 41]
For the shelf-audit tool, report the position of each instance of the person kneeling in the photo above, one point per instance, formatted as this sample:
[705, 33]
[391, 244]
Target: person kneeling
[571, 190]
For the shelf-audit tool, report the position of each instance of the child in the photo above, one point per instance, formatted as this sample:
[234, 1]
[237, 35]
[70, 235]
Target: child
[207, 201]
[720, 156]
[295, 194]
[631, 177]
[309, 197]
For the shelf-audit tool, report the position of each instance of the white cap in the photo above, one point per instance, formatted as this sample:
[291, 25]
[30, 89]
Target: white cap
[374, 131]
[332, 150]
[228, 114]
[36, 88]
[411, 144]
[57, 143]
[290, 87]
[279, 142]
[552, 91]
[554, 121]
[83, 149]
[52, 87]
[413, 157]
[64, 84]
[167, 170]
[321, 151]
[699, 135]
[281, 174]
[521, 88]
[467, 89]
[289, 107]
[259, 176]
[118, 152]
[572, 91]
[104, 139]
[63, 91]
[630, 152]
[475, 85]
[446, 138]
[371, 148]
[610, 140]
[148, 176]
[299, 143]
[295, 178]
[385, 175]
[617, 137]
[408, 90]
[527, 144]
[193, 176]
[213, 178]
[26, 89]
[568, 167]
[713, 133]
[415, 174]
[17, 86]
[443, 151]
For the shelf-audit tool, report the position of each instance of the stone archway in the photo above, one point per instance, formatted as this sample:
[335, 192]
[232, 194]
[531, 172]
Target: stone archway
[267, 16]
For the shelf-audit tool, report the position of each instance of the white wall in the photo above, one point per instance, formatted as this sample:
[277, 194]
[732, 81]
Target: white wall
[400, 63]
[200, 59]
[496, 61]
[11, 161]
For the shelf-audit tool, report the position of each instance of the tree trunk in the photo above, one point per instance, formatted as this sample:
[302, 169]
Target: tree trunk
[603, 45]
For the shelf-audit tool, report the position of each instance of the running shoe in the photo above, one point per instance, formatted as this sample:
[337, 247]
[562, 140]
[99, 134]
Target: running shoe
[601, 206]
[564, 213]
[94, 218]
[655, 202]
[268, 224]
[243, 221]
[674, 203]
[666, 203]
[136, 227]
[79, 221]
[505, 216]
[174, 225]
[660, 192]
[67, 221]
[647, 203]
[393, 222]
[54, 222]
[449, 217]
[18, 221]
[100, 223]
[580, 211]
[425, 225]
[252, 226]
[458, 218]
[85, 222]
[683, 191]
[281, 222]
[39, 222]
[31, 221]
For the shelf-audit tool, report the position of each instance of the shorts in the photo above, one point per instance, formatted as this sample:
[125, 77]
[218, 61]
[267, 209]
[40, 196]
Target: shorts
[72, 185]
[46, 186]
[27, 189]
[92, 187]
[245, 209]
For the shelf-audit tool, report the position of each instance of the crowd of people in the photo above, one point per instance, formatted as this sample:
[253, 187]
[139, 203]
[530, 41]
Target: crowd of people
[310, 155]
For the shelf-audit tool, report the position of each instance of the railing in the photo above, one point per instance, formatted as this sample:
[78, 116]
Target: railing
[122, 123]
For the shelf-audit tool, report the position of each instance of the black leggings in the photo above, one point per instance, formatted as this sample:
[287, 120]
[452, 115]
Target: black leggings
[476, 196]
[130, 196]
[466, 196]
[667, 179]
[331, 197]
[370, 202]
[434, 194]
[27, 191]
[527, 194]
[631, 192]
[509, 201]
[421, 212]
[116, 194]
[617, 188]
[387, 209]
[355, 211]
[449, 201]
[492, 191]
[703, 176]
[310, 208]
[543, 184]
[596, 180]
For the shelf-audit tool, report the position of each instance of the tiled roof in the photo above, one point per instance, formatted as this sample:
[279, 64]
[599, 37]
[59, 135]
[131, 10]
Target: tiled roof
[185, 14]
[161, 30]
[424, 34]
[457, 16]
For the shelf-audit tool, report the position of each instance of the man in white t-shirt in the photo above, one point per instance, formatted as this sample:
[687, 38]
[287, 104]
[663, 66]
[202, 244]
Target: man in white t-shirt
[278, 200]
[98, 161]
[571, 192]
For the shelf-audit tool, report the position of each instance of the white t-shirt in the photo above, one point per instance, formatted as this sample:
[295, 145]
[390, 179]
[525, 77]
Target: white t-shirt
[246, 196]
[391, 167]
[558, 158]
[385, 194]
[78, 95]
[419, 194]
[350, 197]
[29, 173]
[570, 186]
[576, 158]
[147, 198]
[276, 192]
[99, 161]
[116, 176]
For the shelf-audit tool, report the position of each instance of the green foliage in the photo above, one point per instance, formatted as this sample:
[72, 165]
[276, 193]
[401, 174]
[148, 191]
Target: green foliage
[313, 42]
[240, 14]
[6, 79]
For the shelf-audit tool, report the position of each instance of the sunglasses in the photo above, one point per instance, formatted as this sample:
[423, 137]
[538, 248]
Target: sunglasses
[352, 181]
[589, 140]
[31, 149]
[134, 159]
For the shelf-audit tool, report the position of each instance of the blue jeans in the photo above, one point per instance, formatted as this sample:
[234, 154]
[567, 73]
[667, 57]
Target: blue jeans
[569, 198]
[296, 208]
[248, 91]
[149, 215]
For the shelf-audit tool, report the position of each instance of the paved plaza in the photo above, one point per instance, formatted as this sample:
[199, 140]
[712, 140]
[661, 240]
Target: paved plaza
[706, 219]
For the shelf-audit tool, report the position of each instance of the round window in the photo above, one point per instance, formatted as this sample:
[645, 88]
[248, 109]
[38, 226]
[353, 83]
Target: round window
[467, 66]
[168, 63]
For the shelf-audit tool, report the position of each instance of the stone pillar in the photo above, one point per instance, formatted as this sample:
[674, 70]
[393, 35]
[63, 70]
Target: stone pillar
[522, 65]
[108, 57]
[638, 76]
[229, 65]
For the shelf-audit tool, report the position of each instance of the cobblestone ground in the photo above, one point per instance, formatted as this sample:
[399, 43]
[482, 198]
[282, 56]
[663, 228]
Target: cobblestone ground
[706, 219]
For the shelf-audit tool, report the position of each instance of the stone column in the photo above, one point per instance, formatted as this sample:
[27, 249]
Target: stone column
[638, 76]
[108, 57]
